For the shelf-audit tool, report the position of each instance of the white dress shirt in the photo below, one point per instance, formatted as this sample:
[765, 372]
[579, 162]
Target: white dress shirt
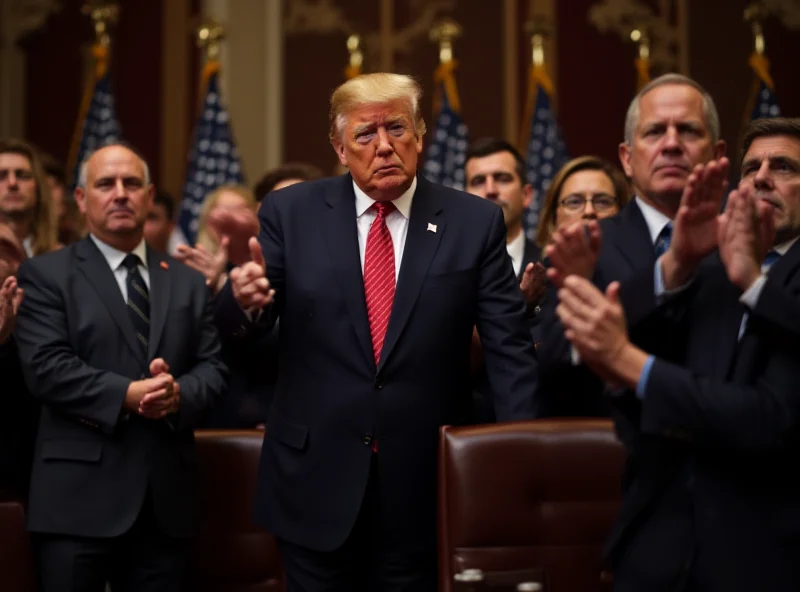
[655, 220]
[516, 250]
[396, 222]
[115, 257]
[27, 244]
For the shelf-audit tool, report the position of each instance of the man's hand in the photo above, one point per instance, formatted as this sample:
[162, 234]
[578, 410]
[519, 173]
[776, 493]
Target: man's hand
[142, 393]
[10, 299]
[212, 266]
[573, 251]
[249, 281]
[746, 231]
[595, 325]
[694, 233]
[238, 224]
[533, 282]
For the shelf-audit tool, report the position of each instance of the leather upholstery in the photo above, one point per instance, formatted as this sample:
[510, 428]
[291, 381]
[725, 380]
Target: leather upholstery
[230, 553]
[527, 496]
[16, 559]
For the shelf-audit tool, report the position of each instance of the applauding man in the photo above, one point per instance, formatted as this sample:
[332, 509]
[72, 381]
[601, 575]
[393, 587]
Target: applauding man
[117, 342]
[713, 424]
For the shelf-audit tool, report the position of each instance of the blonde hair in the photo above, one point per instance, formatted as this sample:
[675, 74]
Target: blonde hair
[373, 89]
[205, 238]
[547, 217]
[45, 226]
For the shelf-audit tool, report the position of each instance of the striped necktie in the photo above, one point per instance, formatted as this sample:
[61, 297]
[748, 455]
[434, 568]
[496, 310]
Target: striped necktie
[138, 300]
[379, 276]
[663, 240]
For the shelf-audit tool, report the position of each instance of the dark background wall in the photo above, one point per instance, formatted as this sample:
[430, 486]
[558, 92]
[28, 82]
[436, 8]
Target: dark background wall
[594, 74]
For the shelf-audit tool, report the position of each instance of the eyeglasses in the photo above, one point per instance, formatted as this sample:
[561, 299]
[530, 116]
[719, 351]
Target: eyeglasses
[600, 203]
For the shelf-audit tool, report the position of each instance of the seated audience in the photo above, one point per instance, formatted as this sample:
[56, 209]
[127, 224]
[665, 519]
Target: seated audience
[25, 202]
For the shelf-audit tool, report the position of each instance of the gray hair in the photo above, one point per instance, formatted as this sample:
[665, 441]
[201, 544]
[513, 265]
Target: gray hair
[709, 108]
[83, 170]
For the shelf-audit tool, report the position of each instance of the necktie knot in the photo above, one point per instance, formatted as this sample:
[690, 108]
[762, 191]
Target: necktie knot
[131, 262]
[771, 258]
[663, 240]
[384, 208]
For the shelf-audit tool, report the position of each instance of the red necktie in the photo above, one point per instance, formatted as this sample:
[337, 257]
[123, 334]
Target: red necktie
[379, 274]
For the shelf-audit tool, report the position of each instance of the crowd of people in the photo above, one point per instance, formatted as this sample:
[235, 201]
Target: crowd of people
[351, 317]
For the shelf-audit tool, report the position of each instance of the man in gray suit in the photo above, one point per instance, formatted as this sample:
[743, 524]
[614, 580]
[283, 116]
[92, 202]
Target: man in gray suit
[118, 344]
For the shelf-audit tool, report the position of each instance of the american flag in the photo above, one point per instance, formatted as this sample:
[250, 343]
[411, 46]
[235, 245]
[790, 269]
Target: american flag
[444, 162]
[100, 125]
[764, 101]
[545, 155]
[213, 159]
[766, 104]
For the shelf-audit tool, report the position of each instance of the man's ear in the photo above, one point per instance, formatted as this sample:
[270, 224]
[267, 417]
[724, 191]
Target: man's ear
[625, 158]
[338, 148]
[80, 199]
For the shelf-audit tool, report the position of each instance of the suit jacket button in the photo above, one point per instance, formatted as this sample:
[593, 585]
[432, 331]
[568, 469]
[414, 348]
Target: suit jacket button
[367, 439]
[378, 385]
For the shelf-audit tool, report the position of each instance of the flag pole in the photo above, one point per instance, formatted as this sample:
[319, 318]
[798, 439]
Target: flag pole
[539, 30]
[103, 15]
[445, 33]
[642, 61]
[353, 68]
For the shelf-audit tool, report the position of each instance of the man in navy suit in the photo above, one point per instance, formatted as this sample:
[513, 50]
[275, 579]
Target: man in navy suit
[712, 423]
[378, 277]
[671, 127]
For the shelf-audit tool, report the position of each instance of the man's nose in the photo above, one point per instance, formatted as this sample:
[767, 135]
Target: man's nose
[384, 145]
[672, 139]
[762, 178]
[589, 211]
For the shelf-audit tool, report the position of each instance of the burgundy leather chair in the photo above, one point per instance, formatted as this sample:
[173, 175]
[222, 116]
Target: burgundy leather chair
[534, 497]
[230, 553]
[16, 558]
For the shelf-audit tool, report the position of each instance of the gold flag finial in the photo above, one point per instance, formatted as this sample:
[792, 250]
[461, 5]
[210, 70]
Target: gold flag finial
[754, 14]
[444, 33]
[209, 34]
[356, 55]
[539, 28]
[103, 14]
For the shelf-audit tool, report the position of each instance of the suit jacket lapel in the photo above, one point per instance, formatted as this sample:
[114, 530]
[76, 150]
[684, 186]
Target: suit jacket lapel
[159, 299]
[633, 241]
[785, 268]
[340, 232]
[97, 272]
[420, 247]
[532, 254]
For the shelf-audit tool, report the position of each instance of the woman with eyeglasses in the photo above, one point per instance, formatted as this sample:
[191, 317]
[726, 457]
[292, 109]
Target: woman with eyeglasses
[586, 188]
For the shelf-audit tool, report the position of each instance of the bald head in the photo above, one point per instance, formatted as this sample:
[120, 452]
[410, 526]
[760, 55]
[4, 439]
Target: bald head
[115, 195]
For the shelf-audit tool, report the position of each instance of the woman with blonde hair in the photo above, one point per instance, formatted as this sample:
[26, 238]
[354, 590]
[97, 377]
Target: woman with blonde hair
[586, 188]
[210, 253]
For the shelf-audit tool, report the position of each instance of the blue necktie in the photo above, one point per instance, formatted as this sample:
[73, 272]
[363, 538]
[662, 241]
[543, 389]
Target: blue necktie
[771, 259]
[663, 240]
[138, 300]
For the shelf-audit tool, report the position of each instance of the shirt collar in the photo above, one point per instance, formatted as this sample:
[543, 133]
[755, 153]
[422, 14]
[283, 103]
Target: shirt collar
[27, 244]
[402, 203]
[782, 248]
[115, 257]
[655, 220]
[516, 248]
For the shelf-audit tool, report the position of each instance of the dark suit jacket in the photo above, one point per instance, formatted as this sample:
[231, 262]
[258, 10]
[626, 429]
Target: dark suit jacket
[626, 248]
[710, 484]
[483, 408]
[17, 424]
[78, 350]
[332, 402]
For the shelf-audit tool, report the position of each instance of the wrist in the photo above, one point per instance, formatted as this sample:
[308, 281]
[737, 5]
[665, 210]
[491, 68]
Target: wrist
[676, 271]
[628, 364]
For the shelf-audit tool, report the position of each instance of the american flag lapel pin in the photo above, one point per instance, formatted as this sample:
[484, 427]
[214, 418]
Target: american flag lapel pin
[431, 227]
[164, 265]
